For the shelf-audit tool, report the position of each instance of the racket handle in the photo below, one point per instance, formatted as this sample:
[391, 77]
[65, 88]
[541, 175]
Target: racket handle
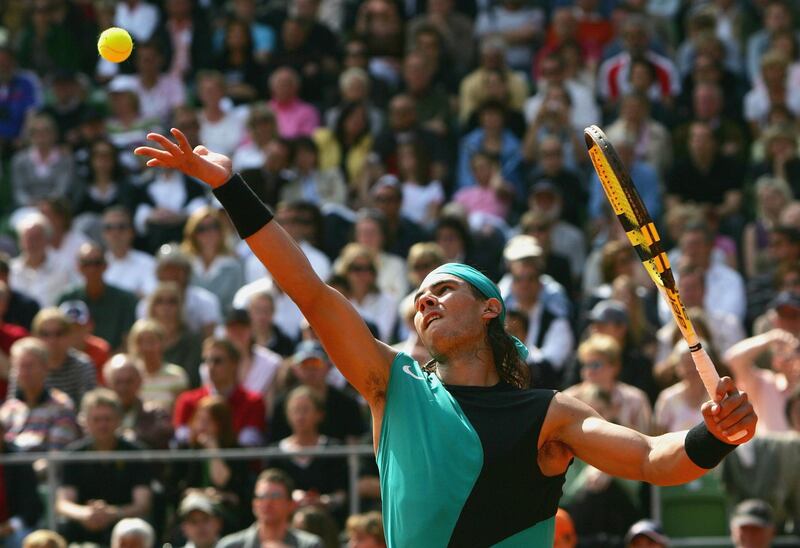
[710, 377]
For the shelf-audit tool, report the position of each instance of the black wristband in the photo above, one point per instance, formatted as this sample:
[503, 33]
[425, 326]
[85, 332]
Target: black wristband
[248, 213]
[704, 448]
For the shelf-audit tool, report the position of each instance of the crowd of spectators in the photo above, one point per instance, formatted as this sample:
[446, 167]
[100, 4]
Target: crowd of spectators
[389, 137]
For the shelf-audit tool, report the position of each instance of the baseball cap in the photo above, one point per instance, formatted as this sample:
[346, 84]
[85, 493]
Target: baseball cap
[522, 246]
[649, 529]
[786, 299]
[76, 311]
[609, 311]
[121, 84]
[307, 350]
[752, 512]
[197, 502]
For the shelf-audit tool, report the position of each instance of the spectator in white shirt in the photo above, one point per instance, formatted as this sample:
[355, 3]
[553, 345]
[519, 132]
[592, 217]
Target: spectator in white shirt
[128, 268]
[262, 127]
[138, 17]
[220, 129]
[35, 272]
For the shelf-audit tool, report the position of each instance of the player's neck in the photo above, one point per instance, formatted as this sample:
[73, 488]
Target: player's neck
[468, 367]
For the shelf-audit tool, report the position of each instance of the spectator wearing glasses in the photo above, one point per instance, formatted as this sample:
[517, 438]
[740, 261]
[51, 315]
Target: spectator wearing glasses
[94, 496]
[386, 195]
[68, 370]
[273, 507]
[36, 418]
[127, 268]
[112, 309]
[201, 523]
[247, 408]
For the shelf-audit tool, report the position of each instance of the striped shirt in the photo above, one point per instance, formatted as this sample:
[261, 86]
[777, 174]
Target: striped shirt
[76, 376]
[48, 425]
[162, 388]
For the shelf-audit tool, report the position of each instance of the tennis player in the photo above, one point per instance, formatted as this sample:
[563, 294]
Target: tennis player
[468, 454]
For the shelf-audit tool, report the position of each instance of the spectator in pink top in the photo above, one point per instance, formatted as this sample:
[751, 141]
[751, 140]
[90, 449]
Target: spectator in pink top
[492, 194]
[296, 118]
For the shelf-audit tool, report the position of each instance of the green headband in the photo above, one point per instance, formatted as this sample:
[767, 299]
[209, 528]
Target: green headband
[485, 287]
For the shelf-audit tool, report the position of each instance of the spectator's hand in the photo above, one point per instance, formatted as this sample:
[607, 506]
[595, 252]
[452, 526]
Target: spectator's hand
[100, 516]
[730, 413]
[200, 163]
[305, 498]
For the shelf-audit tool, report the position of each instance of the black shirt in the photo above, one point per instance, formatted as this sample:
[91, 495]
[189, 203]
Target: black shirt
[691, 184]
[342, 417]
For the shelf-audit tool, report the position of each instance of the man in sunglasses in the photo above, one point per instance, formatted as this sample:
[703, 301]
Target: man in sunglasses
[127, 268]
[112, 309]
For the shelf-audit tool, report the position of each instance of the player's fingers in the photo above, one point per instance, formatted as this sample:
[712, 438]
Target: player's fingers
[168, 145]
[707, 409]
[729, 405]
[183, 142]
[736, 415]
[152, 152]
[154, 162]
[747, 423]
[725, 387]
[200, 150]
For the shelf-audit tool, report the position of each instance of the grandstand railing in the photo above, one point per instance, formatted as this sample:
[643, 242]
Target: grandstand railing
[56, 459]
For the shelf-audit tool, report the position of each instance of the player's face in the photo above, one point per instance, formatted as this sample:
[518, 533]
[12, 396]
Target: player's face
[448, 314]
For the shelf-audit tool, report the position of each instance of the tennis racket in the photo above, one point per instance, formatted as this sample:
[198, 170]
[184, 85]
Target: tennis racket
[638, 225]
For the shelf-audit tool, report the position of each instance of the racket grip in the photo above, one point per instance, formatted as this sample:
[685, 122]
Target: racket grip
[710, 377]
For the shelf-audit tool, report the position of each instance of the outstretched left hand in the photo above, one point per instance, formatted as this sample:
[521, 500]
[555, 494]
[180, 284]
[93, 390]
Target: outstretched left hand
[730, 413]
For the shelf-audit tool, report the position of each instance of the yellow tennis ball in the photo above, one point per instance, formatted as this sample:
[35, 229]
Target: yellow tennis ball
[115, 44]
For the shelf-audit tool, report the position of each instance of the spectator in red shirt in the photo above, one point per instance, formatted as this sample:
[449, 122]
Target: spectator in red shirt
[221, 358]
[8, 334]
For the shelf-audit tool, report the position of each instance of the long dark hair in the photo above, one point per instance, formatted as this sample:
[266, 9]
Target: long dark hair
[511, 368]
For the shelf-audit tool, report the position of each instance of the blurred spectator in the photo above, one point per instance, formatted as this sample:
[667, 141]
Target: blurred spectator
[66, 238]
[212, 427]
[236, 60]
[752, 524]
[273, 507]
[142, 423]
[127, 268]
[358, 264]
[772, 195]
[261, 129]
[94, 496]
[43, 169]
[138, 17]
[549, 338]
[347, 145]
[214, 266]
[546, 204]
[371, 232]
[201, 308]
[112, 309]
[317, 481]
[20, 94]
[36, 418]
[550, 167]
[181, 344]
[159, 92]
[365, 531]
[422, 195]
[556, 265]
[780, 157]
[20, 309]
[386, 195]
[200, 519]
[258, 365]
[308, 182]
[70, 371]
[268, 178]
[221, 129]
[646, 534]
[80, 334]
[431, 99]
[554, 120]
[266, 333]
[20, 505]
[133, 533]
[678, 406]
[497, 90]
[342, 417]
[247, 408]
[454, 27]
[565, 535]
[162, 382]
[46, 42]
[491, 137]
[186, 37]
[777, 17]
[42, 538]
[651, 139]
[768, 388]
[520, 25]
[380, 24]
[107, 184]
[295, 117]
[772, 89]
[490, 194]
[616, 76]
[318, 521]
[9, 333]
[69, 104]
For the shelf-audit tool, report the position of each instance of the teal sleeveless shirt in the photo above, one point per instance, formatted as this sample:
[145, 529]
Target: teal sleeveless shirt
[458, 464]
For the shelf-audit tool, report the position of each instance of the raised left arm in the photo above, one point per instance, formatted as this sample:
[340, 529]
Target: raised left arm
[661, 460]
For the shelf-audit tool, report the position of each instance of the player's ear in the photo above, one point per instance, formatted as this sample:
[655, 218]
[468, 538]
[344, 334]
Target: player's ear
[491, 309]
